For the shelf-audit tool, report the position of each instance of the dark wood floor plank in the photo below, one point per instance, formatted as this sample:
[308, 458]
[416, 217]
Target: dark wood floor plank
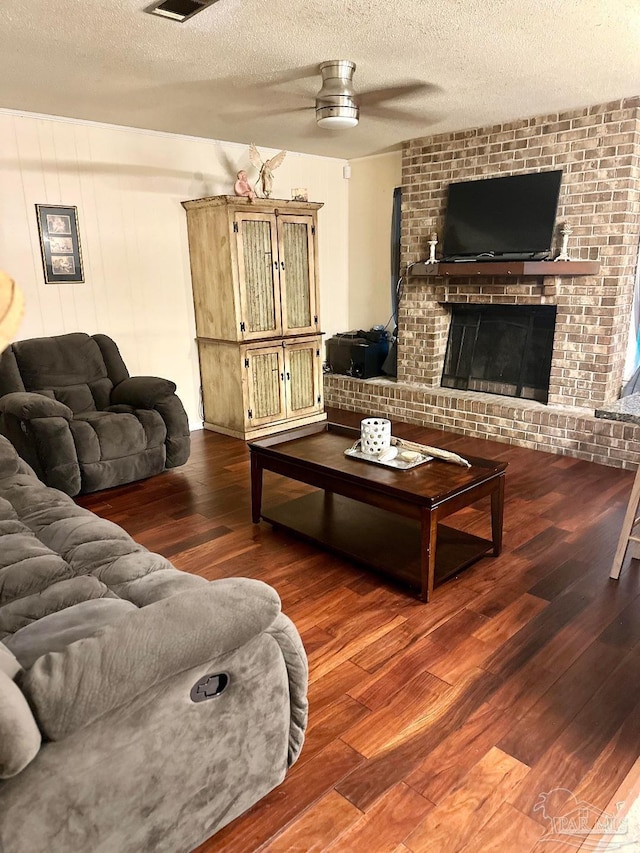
[458, 664]
[448, 713]
[451, 633]
[449, 762]
[523, 688]
[456, 821]
[386, 824]
[496, 631]
[534, 653]
[345, 679]
[404, 716]
[556, 582]
[493, 601]
[321, 824]
[531, 735]
[570, 642]
[304, 785]
[358, 633]
[377, 690]
[331, 723]
[387, 648]
[610, 768]
[572, 754]
[624, 631]
[506, 830]
[530, 640]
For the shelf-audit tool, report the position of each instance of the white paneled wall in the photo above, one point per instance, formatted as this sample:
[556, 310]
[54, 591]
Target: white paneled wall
[127, 185]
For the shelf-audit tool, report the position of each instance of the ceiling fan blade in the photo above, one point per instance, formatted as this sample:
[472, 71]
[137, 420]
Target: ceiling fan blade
[393, 114]
[290, 75]
[286, 111]
[266, 113]
[405, 90]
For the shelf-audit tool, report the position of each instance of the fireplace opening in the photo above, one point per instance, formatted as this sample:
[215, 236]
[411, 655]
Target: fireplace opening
[500, 349]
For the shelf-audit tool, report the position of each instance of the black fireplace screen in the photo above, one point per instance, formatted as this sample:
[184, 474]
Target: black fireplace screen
[500, 349]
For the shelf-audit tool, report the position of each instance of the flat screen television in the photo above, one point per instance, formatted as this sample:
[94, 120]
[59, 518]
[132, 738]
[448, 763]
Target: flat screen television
[512, 216]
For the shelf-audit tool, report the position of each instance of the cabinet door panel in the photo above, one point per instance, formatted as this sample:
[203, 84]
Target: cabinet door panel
[297, 274]
[258, 277]
[302, 370]
[265, 385]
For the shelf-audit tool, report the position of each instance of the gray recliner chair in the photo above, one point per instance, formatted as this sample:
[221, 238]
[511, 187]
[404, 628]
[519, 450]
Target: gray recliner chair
[72, 411]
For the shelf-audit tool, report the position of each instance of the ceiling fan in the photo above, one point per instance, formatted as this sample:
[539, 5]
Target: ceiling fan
[337, 105]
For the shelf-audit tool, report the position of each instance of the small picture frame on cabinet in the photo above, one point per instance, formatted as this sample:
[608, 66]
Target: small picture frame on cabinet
[60, 244]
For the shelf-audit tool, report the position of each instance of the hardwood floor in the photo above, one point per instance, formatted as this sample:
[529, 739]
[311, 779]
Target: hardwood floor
[440, 726]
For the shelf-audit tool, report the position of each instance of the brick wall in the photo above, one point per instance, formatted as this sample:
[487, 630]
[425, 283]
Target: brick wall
[598, 149]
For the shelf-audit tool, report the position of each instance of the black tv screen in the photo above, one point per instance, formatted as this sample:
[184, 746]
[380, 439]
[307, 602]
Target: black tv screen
[514, 214]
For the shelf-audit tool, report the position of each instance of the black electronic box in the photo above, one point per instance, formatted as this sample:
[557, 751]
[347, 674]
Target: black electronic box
[360, 354]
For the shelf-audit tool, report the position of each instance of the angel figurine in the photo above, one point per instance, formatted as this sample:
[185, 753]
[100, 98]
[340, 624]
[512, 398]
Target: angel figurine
[266, 168]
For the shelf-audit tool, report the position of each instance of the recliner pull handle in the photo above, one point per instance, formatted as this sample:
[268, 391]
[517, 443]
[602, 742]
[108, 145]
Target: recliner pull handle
[209, 686]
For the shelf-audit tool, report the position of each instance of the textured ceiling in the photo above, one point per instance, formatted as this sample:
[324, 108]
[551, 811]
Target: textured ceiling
[246, 70]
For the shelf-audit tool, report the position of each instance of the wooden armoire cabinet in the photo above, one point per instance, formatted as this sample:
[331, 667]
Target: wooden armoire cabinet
[254, 274]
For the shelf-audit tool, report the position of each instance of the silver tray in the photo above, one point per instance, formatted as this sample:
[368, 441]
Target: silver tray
[398, 464]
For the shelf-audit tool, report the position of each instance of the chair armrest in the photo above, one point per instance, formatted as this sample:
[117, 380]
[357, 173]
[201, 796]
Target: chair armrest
[285, 633]
[69, 689]
[27, 405]
[142, 392]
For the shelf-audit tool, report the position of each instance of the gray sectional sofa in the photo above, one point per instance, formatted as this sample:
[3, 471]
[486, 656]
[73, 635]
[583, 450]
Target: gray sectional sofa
[141, 708]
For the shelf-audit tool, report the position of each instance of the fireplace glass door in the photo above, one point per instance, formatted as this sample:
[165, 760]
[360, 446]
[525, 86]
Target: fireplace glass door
[500, 349]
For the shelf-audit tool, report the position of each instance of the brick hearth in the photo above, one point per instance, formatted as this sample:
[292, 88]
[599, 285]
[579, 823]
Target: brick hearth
[598, 149]
[523, 422]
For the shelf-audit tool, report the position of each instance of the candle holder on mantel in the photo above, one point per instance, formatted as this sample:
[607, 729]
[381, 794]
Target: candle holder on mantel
[566, 232]
[433, 242]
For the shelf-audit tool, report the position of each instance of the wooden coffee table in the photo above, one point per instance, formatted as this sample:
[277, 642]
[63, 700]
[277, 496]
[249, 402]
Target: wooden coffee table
[386, 519]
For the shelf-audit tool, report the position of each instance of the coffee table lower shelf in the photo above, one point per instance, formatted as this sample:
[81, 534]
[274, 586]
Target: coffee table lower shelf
[381, 540]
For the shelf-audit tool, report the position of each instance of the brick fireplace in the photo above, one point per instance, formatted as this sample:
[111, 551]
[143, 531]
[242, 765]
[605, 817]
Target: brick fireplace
[598, 149]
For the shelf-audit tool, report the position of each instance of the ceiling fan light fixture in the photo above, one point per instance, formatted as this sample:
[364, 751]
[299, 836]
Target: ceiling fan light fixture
[337, 118]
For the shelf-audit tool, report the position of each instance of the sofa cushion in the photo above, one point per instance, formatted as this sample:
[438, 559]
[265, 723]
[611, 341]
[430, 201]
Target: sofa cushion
[10, 462]
[101, 436]
[10, 379]
[9, 663]
[59, 361]
[20, 612]
[85, 397]
[77, 397]
[68, 367]
[52, 633]
[75, 555]
[20, 737]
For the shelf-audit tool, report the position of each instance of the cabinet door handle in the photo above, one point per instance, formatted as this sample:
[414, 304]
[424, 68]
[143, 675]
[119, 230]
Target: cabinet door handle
[282, 376]
[281, 265]
[275, 265]
[288, 375]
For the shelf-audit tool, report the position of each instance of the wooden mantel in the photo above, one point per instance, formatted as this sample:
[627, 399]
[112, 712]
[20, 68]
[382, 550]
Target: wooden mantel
[506, 268]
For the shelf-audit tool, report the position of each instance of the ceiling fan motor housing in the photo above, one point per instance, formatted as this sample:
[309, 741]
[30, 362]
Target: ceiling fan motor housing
[335, 104]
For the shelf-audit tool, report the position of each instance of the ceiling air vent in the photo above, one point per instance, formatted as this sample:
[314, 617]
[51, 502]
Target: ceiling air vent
[178, 10]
